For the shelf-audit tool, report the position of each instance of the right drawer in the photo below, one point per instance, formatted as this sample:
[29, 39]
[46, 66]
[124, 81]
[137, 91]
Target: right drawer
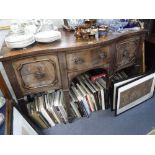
[85, 59]
[127, 52]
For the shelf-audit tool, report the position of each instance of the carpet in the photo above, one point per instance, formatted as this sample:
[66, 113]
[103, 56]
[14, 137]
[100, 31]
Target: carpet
[136, 121]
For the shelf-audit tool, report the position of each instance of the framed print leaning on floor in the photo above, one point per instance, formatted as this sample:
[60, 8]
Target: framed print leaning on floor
[20, 124]
[16, 123]
[134, 93]
[116, 85]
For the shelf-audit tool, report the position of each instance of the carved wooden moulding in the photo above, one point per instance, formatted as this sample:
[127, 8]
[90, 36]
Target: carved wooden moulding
[37, 73]
[126, 51]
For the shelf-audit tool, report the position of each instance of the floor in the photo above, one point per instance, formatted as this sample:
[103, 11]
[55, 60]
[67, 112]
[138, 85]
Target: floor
[137, 121]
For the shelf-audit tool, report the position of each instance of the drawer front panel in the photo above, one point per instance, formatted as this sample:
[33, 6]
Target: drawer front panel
[37, 72]
[87, 58]
[126, 52]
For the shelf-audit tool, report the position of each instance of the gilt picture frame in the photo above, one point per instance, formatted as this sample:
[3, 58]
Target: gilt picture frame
[134, 93]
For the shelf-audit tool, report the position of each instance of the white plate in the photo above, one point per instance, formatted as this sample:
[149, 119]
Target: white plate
[47, 35]
[18, 38]
[48, 40]
[21, 42]
[20, 45]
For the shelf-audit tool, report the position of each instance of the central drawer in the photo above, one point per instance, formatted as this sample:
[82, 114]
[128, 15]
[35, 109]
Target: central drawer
[84, 59]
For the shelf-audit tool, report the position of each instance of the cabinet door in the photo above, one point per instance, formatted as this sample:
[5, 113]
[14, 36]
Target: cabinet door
[126, 52]
[37, 73]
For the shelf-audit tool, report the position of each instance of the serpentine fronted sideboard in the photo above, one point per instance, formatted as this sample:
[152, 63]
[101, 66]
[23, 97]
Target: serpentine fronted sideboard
[42, 67]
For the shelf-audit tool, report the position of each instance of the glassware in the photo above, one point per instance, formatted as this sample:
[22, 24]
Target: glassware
[16, 28]
[47, 25]
[73, 23]
[30, 28]
[124, 22]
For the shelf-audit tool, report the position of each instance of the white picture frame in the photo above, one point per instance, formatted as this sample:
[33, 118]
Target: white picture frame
[137, 96]
[116, 85]
[20, 125]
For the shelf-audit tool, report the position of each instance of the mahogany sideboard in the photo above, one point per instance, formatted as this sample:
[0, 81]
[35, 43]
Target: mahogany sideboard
[42, 67]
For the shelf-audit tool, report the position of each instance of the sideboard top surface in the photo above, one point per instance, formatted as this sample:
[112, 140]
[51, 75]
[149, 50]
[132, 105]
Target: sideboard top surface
[68, 42]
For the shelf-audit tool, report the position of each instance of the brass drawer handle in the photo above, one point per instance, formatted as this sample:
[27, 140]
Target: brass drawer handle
[39, 75]
[78, 61]
[126, 54]
[102, 55]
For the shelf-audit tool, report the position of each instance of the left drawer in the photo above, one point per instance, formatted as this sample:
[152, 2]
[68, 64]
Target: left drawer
[38, 73]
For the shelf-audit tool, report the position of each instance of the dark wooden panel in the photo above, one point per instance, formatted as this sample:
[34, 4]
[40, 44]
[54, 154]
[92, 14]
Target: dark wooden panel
[64, 79]
[8, 117]
[4, 88]
[63, 70]
[150, 56]
[12, 78]
[140, 57]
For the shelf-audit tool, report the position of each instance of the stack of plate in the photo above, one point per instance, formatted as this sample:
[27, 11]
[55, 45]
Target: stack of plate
[47, 36]
[19, 41]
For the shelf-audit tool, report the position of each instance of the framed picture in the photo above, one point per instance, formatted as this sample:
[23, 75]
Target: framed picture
[134, 93]
[16, 123]
[20, 126]
[152, 132]
[118, 84]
